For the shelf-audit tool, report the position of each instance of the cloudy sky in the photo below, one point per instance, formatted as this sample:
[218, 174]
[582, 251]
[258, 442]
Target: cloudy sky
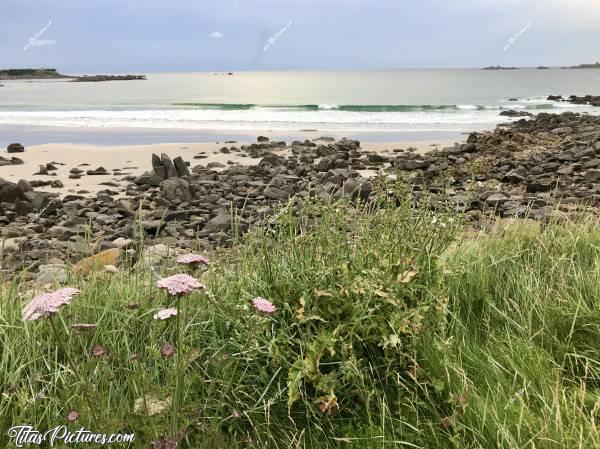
[92, 36]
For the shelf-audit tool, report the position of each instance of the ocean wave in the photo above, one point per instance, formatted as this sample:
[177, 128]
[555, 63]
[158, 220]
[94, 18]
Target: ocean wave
[524, 104]
[247, 116]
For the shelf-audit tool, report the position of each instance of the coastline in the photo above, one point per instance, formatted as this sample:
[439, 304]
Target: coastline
[135, 160]
[30, 135]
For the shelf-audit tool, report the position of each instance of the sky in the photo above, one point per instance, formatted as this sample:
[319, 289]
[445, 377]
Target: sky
[144, 36]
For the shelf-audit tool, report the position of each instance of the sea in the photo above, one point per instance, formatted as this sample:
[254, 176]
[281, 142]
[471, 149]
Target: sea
[384, 103]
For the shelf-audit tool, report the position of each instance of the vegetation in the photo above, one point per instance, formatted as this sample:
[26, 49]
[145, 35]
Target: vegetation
[40, 73]
[394, 327]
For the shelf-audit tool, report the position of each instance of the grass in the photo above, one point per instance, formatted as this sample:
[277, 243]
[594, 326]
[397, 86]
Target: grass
[393, 329]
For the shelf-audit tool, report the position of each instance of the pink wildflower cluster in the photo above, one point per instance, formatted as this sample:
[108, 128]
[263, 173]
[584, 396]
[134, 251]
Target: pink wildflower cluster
[48, 303]
[190, 259]
[179, 284]
[165, 313]
[264, 305]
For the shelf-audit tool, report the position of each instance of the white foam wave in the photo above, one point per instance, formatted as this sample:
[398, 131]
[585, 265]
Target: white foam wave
[268, 118]
[328, 107]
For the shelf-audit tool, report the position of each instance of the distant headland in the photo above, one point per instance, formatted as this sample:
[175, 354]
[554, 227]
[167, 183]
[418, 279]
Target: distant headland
[30, 74]
[586, 66]
[44, 73]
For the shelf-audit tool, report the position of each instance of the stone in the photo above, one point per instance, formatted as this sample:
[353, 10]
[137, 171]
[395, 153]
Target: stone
[592, 175]
[157, 166]
[98, 171]
[176, 189]
[276, 194]
[51, 273]
[167, 163]
[181, 167]
[148, 179]
[15, 148]
[88, 265]
[12, 245]
[153, 255]
[10, 192]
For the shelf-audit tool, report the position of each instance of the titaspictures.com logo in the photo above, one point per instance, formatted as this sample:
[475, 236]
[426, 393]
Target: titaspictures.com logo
[27, 435]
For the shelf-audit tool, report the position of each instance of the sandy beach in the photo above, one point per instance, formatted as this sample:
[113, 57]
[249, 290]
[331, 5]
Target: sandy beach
[136, 159]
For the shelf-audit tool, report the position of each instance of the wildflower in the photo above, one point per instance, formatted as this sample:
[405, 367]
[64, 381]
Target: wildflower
[155, 405]
[98, 351]
[235, 414]
[83, 326]
[263, 305]
[72, 416]
[167, 350]
[48, 303]
[448, 421]
[190, 259]
[165, 314]
[179, 283]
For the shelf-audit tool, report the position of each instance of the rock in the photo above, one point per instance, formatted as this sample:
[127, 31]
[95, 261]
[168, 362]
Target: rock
[536, 186]
[25, 185]
[42, 171]
[220, 223]
[12, 245]
[123, 243]
[495, 199]
[181, 167]
[563, 130]
[97, 262]
[414, 164]
[513, 113]
[148, 179]
[592, 175]
[10, 192]
[157, 166]
[176, 189]
[376, 159]
[325, 164]
[167, 163]
[51, 273]
[262, 139]
[15, 148]
[276, 194]
[153, 255]
[98, 171]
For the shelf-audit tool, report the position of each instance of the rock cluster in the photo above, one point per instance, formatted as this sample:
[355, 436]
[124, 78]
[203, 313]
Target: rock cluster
[592, 100]
[535, 167]
[177, 204]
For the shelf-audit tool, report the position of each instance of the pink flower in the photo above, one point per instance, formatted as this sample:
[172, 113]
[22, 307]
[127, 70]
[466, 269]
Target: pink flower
[72, 416]
[188, 259]
[165, 313]
[98, 351]
[48, 303]
[179, 283]
[263, 305]
[167, 350]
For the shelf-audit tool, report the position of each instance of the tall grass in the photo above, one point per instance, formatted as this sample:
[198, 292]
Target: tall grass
[392, 329]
